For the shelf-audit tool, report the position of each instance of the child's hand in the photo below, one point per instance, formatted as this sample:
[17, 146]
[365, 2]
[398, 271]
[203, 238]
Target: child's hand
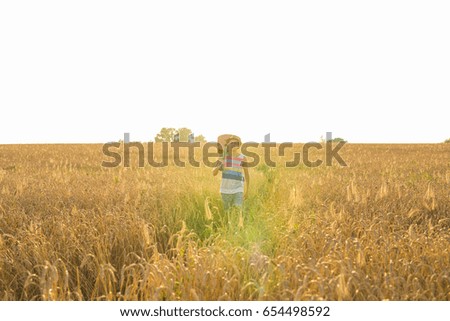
[217, 168]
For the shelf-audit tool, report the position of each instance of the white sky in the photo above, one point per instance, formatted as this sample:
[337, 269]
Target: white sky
[88, 71]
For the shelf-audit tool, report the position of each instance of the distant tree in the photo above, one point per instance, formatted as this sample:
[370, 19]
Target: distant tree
[169, 134]
[165, 135]
[447, 141]
[184, 134]
[337, 140]
[200, 139]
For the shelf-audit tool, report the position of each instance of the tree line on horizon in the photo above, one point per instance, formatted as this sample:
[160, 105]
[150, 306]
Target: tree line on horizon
[170, 134]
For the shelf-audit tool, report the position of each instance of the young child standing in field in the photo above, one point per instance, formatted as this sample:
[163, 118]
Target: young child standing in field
[235, 177]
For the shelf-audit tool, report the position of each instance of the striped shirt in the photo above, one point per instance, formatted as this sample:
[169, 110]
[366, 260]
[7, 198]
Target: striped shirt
[232, 176]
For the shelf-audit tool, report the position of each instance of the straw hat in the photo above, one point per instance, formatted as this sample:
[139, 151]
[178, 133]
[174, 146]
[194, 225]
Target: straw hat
[222, 140]
[225, 138]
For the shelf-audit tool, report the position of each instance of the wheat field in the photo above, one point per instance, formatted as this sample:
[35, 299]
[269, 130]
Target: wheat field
[378, 229]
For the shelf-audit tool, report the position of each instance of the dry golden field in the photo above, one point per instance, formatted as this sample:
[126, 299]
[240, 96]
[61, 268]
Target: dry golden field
[378, 229]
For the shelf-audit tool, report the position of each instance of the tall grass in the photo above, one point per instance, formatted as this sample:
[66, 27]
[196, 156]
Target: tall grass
[375, 230]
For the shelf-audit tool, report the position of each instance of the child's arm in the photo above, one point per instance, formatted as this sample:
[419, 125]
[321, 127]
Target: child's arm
[217, 168]
[247, 178]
